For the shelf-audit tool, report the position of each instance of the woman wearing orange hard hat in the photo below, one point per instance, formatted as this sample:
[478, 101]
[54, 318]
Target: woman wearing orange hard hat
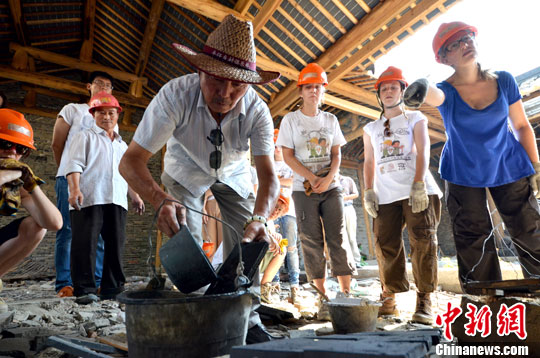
[399, 189]
[481, 153]
[311, 140]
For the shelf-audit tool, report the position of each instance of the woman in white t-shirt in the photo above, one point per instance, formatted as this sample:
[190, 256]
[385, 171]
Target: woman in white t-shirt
[311, 140]
[399, 191]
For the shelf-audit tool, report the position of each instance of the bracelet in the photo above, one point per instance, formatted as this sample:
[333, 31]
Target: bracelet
[258, 218]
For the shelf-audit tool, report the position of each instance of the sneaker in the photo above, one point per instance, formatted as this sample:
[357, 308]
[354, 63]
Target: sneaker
[3, 304]
[388, 307]
[66, 291]
[423, 312]
[323, 314]
[270, 292]
[86, 299]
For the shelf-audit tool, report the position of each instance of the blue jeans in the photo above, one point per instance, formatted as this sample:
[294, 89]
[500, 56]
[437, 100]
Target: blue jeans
[287, 229]
[63, 241]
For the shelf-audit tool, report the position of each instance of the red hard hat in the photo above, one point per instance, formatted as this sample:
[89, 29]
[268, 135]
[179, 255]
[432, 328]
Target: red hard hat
[312, 73]
[15, 128]
[103, 99]
[446, 31]
[391, 74]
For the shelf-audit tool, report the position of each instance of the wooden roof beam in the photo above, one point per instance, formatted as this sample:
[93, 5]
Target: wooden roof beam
[67, 61]
[64, 85]
[149, 35]
[18, 23]
[242, 6]
[89, 25]
[264, 15]
[209, 8]
[407, 20]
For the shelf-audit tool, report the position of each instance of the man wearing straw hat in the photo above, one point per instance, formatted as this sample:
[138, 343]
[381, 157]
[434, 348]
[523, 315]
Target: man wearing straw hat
[207, 120]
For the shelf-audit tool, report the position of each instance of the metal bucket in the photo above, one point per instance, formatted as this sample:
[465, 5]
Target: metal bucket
[350, 315]
[186, 263]
[162, 324]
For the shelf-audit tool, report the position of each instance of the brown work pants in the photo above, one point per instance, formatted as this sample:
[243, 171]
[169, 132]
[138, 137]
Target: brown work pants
[422, 229]
[319, 218]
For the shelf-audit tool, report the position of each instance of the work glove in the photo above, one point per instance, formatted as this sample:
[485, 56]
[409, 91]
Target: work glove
[418, 198]
[415, 94]
[29, 179]
[10, 197]
[371, 202]
[320, 173]
[535, 179]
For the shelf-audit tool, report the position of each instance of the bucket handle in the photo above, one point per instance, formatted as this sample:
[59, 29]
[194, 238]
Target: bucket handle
[240, 279]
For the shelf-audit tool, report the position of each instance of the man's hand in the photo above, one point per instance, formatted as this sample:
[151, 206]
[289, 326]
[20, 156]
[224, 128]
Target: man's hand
[371, 202]
[76, 198]
[138, 204]
[256, 231]
[418, 197]
[416, 93]
[534, 179]
[171, 216]
[323, 185]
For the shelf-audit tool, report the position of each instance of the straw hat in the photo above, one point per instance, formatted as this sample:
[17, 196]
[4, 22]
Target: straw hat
[229, 53]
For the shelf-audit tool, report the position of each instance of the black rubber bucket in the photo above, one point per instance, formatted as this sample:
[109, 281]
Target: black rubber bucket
[162, 324]
[185, 262]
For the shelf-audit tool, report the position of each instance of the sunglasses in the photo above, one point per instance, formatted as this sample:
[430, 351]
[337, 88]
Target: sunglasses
[21, 149]
[216, 138]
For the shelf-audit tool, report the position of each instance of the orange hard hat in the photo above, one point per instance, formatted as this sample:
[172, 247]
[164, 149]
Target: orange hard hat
[103, 99]
[276, 132]
[312, 73]
[391, 74]
[446, 31]
[15, 129]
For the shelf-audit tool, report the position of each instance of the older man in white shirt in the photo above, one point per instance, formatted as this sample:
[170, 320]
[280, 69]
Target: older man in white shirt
[207, 121]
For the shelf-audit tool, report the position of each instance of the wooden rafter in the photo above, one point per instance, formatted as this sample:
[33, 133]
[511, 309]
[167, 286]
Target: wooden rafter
[71, 62]
[265, 14]
[89, 23]
[209, 8]
[242, 6]
[18, 23]
[149, 34]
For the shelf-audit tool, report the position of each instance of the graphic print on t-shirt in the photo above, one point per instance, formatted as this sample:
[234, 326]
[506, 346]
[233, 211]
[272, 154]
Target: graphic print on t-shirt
[391, 149]
[317, 145]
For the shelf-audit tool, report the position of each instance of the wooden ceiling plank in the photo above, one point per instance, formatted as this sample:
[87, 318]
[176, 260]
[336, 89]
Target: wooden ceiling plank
[328, 15]
[67, 61]
[18, 23]
[345, 11]
[63, 84]
[89, 24]
[292, 37]
[187, 17]
[105, 35]
[312, 21]
[285, 47]
[133, 30]
[149, 34]
[135, 9]
[242, 6]
[119, 59]
[53, 21]
[274, 51]
[184, 40]
[305, 33]
[53, 3]
[209, 8]
[265, 14]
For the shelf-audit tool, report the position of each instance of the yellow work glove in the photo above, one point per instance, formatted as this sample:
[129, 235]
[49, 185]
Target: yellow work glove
[418, 198]
[28, 177]
[10, 197]
[371, 202]
[535, 179]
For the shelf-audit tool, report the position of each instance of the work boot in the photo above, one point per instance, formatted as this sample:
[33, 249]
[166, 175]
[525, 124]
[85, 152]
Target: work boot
[423, 312]
[3, 304]
[388, 307]
[66, 291]
[270, 292]
[323, 314]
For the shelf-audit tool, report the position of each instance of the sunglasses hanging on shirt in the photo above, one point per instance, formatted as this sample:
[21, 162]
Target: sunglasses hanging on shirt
[216, 138]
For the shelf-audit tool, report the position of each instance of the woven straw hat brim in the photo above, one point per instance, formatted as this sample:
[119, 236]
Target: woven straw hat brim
[223, 70]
